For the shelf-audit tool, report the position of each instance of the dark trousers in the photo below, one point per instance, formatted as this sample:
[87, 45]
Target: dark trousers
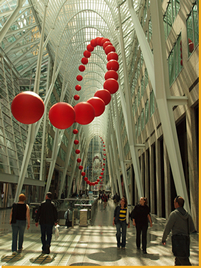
[18, 228]
[141, 229]
[182, 261]
[121, 225]
[46, 230]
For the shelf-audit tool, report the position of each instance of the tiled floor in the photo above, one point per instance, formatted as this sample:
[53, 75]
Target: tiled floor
[90, 246]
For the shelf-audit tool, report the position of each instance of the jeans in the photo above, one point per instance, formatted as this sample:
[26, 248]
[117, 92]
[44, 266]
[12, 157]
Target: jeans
[141, 228]
[46, 229]
[18, 227]
[182, 261]
[119, 225]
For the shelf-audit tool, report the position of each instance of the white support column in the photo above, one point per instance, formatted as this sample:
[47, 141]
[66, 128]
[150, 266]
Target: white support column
[163, 103]
[11, 19]
[128, 116]
[113, 169]
[116, 164]
[110, 175]
[120, 147]
[72, 176]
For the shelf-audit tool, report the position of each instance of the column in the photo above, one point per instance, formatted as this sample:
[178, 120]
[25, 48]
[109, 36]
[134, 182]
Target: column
[158, 179]
[167, 182]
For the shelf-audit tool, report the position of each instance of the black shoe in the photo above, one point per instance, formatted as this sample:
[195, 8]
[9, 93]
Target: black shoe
[144, 251]
[43, 252]
[47, 250]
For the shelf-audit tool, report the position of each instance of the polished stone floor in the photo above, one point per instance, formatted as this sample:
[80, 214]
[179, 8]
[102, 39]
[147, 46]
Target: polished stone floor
[91, 246]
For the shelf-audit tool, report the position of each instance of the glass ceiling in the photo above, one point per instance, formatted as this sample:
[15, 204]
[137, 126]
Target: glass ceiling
[70, 26]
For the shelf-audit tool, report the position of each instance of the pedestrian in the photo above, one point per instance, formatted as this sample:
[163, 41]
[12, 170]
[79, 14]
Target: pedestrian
[121, 219]
[140, 216]
[19, 214]
[47, 216]
[181, 224]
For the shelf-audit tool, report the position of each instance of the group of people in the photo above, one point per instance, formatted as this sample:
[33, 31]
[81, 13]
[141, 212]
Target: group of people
[180, 223]
[46, 215]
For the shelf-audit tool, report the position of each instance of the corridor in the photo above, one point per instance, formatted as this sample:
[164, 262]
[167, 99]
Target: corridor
[90, 246]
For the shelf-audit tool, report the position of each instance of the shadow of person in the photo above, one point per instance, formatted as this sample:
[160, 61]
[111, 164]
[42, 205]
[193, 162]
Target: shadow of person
[84, 264]
[12, 258]
[106, 254]
[43, 259]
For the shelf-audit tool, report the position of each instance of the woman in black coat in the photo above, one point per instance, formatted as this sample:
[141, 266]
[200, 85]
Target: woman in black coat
[140, 216]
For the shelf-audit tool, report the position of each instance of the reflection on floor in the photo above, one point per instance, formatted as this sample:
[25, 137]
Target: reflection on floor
[90, 246]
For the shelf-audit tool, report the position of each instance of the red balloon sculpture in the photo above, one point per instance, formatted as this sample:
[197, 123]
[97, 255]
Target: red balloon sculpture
[62, 115]
[83, 173]
[76, 97]
[81, 68]
[79, 160]
[76, 142]
[98, 105]
[104, 95]
[109, 49]
[77, 151]
[111, 74]
[112, 56]
[84, 60]
[111, 85]
[78, 87]
[75, 131]
[84, 113]
[80, 167]
[27, 107]
[113, 65]
[79, 77]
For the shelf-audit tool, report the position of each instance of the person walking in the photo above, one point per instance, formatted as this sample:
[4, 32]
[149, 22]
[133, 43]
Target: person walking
[19, 214]
[121, 219]
[47, 216]
[140, 216]
[181, 224]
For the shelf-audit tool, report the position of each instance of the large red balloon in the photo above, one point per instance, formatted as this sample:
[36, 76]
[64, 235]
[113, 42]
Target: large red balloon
[79, 160]
[79, 77]
[76, 97]
[104, 154]
[77, 151]
[93, 43]
[103, 145]
[85, 177]
[75, 131]
[83, 174]
[99, 40]
[100, 177]
[103, 164]
[111, 85]
[84, 60]
[101, 173]
[104, 40]
[98, 104]
[107, 43]
[96, 182]
[113, 65]
[103, 169]
[88, 182]
[109, 49]
[80, 167]
[81, 68]
[112, 56]
[111, 74]
[190, 45]
[84, 113]
[104, 95]
[76, 142]
[62, 115]
[90, 48]
[27, 107]
[78, 87]
[87, 54]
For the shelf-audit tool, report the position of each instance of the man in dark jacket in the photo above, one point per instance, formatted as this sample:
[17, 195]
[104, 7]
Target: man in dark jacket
[47, 216]
[181, 224]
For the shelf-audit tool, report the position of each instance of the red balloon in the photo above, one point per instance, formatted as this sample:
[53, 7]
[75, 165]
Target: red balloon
[100, 177]
[88, 182]
[103, 145]
[79, 77]
[104, 95]
[80, 167]
[93, 43]
[76, 97]
[190, 45]
[103, 158]
[75, 131]
[181, 62]
[113, 65]
[109, 49]
[96, 182]
[84, 113]
[85, 177]
[103, 149]
[90, 48]
[104, 40]
[93, 183]
[84, 60]
[111, 74]
[103, 169]
[104, 154]
[107, 43]
[87, 54]
[102, 173]
[79, 160]
[76, 142]
[112, 56]
[62, 115]
[77, 151]
[111, 85]
[81, 68]
[78, 87]
[98, 104]
[27, 107]
[83, 173]
[103, 164]
[99, 40]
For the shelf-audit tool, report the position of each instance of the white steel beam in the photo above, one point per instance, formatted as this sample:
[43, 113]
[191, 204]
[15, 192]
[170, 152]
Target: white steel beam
[113, 168]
